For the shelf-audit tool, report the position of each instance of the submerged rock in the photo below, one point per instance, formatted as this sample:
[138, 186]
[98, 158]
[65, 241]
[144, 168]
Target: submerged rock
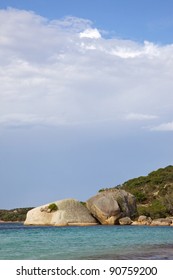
[60, 213]
[109, 206]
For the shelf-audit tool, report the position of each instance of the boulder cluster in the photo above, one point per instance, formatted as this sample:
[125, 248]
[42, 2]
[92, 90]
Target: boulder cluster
[147, 221]
[105, 208]
[110, 207]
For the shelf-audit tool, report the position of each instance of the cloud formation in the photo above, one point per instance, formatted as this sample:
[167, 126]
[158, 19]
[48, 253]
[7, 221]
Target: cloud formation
[140, 117]
[90, 33]
[65, 72]
[163, 127]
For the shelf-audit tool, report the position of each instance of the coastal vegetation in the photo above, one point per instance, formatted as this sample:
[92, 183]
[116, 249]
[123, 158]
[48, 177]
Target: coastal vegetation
[53, 207]
[14, 215]
[154, 192]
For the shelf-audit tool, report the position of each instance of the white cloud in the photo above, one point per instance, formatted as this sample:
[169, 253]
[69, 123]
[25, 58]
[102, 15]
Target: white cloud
[163, 127]
[140, 117]
[132, 50]
[90, 33]
[63, 72]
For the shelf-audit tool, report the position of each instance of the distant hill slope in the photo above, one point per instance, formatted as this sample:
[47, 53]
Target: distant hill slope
[154, 192]
[13, 215]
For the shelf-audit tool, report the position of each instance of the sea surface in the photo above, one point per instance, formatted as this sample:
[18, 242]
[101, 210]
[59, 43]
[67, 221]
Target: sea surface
[19, 242]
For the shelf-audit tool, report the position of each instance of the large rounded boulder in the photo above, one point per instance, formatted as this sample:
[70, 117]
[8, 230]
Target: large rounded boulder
[60, 213]
[111, 205]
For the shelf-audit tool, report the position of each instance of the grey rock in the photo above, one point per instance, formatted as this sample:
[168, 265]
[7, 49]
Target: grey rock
[125, 221]
[111, 205]
[144, 220]
[161, 222]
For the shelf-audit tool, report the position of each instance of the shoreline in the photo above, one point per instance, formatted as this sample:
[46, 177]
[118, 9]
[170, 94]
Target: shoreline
[86, 225]
[11, 222]
[125, 221]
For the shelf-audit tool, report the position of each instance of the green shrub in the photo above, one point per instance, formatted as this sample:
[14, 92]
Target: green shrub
[140, 197]
[156, 210]
[142, 210]
[83, 203]
[53, 207]
[102, 190]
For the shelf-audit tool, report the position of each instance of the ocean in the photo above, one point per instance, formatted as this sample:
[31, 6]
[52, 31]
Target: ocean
[19, 242]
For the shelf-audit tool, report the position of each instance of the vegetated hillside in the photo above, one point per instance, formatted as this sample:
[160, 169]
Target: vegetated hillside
[154, 192]
[18, 214]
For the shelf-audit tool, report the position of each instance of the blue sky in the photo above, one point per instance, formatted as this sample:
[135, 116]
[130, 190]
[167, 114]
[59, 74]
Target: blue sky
[85, 96]
[132, 19]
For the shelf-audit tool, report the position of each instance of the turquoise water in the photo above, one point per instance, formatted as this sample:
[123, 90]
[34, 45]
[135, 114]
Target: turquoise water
[96, 242]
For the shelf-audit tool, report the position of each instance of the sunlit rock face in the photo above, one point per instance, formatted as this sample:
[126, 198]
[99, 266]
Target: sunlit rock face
[60, 213]
[111, 205]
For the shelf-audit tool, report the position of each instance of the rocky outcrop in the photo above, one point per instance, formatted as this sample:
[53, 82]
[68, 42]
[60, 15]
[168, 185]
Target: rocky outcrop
[143, 220]
[125, 221]
[109, 206]
[147, 221]
[60, 213]
[161, 222]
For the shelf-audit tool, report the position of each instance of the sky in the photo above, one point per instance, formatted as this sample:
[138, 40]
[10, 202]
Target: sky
[86, 96]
